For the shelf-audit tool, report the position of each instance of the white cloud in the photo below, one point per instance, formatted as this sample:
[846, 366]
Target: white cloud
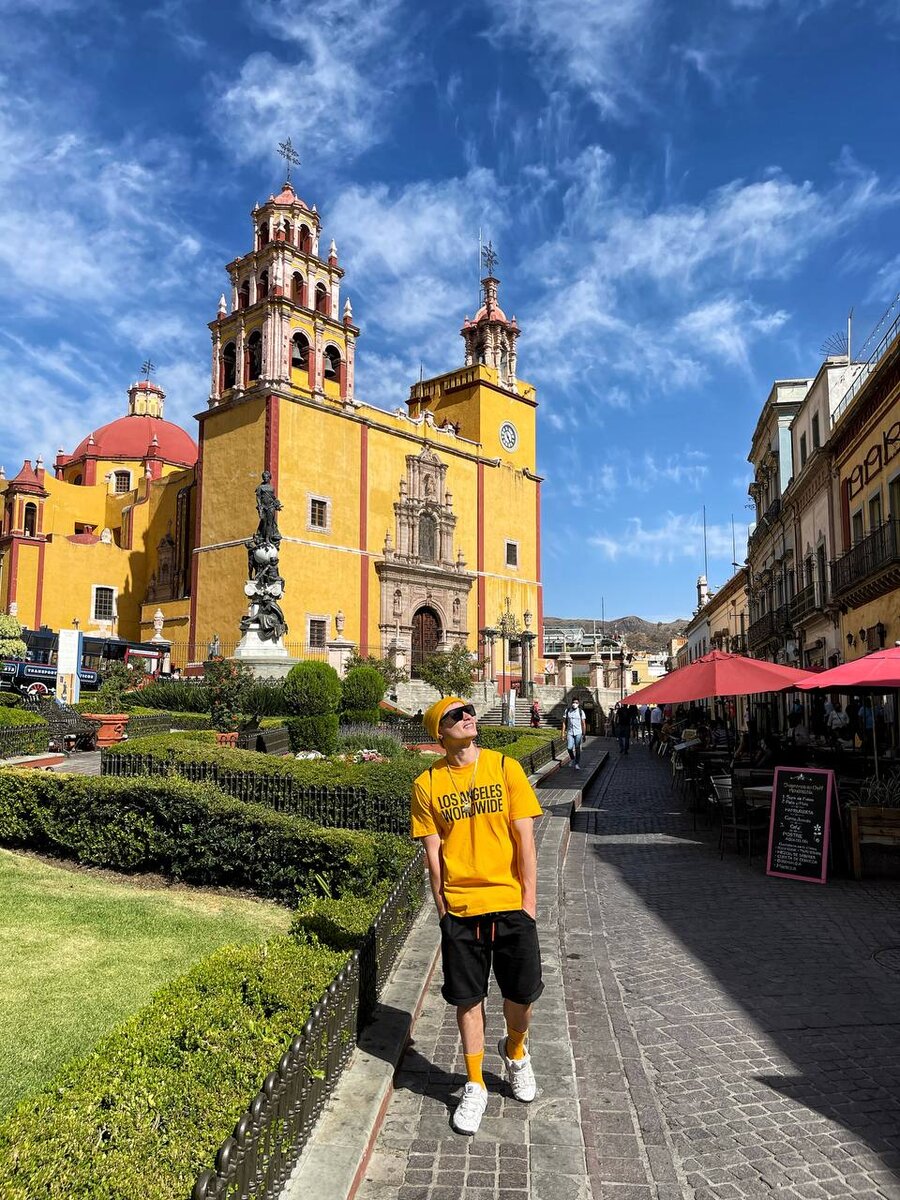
[345, 61]
[678, 536]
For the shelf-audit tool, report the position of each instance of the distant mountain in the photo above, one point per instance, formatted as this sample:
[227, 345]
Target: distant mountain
[638, 633]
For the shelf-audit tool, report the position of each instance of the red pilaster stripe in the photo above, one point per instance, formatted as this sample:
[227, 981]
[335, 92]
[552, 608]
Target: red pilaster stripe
[273, 414]
[537, 567]
[39, 587]
[482, 615]
[195, 558]
[90, 472]
[364, 540]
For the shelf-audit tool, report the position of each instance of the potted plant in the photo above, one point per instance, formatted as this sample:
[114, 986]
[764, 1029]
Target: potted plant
[109, 715]
[226, 682]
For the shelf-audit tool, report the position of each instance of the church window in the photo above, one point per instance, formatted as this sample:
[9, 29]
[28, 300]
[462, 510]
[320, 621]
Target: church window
[263, 235]
[78, 480]
[317, 632]
[299, 352]
[288, 232]
[512, 554]
[332, 362]
[229, 366]
[322, 305]
[298, 289]
[304, 239]
[30, 522]
[244, 294]
[263, 290]
[254, 355]
[103, 607]
[427, 538]
[318, 513]
[122, 482]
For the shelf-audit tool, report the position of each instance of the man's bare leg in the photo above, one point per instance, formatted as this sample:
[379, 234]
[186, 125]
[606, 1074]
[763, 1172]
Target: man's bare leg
[470, 1019]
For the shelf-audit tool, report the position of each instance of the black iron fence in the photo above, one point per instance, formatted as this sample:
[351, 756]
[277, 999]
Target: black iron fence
[141, 724]
[18, 741]
[255, 1162]
[334, 807]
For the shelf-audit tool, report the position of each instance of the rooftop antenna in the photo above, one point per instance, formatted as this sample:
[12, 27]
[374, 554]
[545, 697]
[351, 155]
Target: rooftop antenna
[147, 368]
[734, 561]
[602, 616]
[290, 156]
[705, 558]
[849, 333]
[836, 345]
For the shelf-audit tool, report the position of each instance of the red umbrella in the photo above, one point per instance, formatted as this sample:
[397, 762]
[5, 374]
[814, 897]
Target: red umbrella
[878, 671]
[719, 674]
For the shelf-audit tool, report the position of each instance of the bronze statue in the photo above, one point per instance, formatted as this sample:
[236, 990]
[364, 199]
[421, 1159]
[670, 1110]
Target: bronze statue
[268, 506]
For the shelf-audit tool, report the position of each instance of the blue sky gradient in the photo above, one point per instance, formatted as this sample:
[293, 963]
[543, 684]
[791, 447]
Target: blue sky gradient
[687, 198]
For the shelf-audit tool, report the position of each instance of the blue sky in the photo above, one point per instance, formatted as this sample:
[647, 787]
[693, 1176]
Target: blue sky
[687, 197]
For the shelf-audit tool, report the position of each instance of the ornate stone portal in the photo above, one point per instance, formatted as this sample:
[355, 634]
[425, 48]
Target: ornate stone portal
[424, 588]
[264, 626]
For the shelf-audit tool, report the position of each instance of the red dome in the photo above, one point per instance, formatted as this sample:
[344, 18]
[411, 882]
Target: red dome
[496, 314]
[130, 437]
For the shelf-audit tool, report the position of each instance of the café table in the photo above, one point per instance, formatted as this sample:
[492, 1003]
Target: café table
[759, 796]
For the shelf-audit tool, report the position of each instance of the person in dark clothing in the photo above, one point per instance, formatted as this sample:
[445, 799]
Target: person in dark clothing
[623, 727]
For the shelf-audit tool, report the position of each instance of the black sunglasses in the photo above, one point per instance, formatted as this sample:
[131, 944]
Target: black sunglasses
[457, 714]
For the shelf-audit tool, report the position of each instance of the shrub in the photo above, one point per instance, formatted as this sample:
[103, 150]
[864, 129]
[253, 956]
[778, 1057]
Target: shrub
[341, 924]
[174, 696]
[451, 672]
[227, 682]
[117, 680]
[12, 644]
[358, 737]
[313, 733]
[20, 716]
[361, 716]
[362, 690]
[190, 831]
[10, 699]
[148, 1108]
[265, 698]
[391, 674]
[312, 689]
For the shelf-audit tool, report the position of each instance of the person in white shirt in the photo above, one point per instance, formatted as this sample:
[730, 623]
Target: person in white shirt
[574, 728]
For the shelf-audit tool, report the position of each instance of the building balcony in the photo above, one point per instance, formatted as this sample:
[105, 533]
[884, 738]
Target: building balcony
[870, 569]
[761, 630]
[807, 603]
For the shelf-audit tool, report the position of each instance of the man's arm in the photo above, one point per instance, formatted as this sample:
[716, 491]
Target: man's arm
[523, 832]
[432, 844]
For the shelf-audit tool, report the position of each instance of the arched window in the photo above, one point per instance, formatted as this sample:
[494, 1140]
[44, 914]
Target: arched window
[30, 523]
[298, 288]
[262, 238]
[254, 355]
[322, 305]
[299, 352]
[263, 288]
[229, 366]
[304, 239]
[122, 482]
[288, 231]
[427, 538]
[244, 294]
[78, 480]
[332, 364]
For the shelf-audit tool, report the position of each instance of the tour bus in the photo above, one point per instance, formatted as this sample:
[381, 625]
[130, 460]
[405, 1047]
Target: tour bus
[37, 673]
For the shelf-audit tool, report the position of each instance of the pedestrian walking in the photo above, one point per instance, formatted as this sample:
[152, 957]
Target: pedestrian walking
[574, 729]
[474, 812]
[656, 720]
[623, 727]
[644, 710]
[535, 715]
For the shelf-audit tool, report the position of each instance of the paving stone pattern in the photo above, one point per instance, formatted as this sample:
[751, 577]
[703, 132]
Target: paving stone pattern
[706, 1031]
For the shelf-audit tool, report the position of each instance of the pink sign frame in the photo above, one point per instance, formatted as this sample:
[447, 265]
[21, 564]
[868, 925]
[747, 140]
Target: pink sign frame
[830, 791]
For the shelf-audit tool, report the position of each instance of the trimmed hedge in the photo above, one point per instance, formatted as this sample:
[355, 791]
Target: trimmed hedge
[148, 1108]
[173, 695]
[361, 716]
[314, 733]
[191, 831]
[362, 690]
[312, 689]
[10, 699]
[18, 717]
[340, 924]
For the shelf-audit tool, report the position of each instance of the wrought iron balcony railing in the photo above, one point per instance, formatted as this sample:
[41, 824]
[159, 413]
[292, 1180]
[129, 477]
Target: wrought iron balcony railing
[867, 559]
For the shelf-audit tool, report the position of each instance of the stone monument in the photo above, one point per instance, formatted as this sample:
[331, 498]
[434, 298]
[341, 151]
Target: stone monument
[264, 627]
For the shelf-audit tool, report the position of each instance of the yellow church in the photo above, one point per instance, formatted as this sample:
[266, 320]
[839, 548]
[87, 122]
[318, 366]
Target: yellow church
[403, 531]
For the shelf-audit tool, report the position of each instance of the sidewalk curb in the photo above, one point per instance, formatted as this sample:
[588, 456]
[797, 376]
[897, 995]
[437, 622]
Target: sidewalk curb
[333, 1163]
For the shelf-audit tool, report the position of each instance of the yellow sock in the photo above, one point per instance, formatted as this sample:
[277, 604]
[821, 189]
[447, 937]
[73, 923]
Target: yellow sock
[473, 1067]
[515, 1043]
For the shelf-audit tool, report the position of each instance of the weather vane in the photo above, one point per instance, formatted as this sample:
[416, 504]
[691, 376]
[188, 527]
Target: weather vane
[290, 156]
[490, 258]
[147, 368]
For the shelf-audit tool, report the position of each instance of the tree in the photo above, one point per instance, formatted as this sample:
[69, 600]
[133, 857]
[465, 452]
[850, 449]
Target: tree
[391, 674]
[226, 681]
[450, 672]
[363, 691]
[11, 643]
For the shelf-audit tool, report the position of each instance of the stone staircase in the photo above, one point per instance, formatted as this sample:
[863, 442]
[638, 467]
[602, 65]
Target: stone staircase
[494, 716]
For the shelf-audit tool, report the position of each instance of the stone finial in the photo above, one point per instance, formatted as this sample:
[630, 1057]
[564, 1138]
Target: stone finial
[332, 250]
[348, 310]
[91, 441]
[39, 463]
[223, 307]
[339, 622]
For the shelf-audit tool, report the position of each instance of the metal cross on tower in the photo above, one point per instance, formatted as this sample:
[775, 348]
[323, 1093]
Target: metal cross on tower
[290, 156]
[490, 258]
[147, 368]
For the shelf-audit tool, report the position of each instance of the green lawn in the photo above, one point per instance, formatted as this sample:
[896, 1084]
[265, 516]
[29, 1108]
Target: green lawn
[81, 951]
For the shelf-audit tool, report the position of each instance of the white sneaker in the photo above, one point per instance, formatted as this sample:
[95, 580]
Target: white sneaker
[520, 1074]
[470, 1110]
[577, 768]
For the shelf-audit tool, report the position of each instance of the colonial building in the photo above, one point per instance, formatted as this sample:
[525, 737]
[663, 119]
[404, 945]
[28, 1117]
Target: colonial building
[402, 531]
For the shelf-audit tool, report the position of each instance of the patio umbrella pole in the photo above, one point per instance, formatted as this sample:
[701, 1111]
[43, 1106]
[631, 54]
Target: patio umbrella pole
[874, 738]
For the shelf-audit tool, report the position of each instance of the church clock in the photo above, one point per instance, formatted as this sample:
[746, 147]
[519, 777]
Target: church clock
[509, 436]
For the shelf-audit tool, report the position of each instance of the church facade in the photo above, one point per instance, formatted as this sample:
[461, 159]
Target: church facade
[402, 531]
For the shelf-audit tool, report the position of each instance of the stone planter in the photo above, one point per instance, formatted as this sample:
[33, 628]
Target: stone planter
[110, 727]
[226, 739]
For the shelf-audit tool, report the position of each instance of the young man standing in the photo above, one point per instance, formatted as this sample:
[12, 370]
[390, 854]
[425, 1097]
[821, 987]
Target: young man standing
[474, 812]
[574, 728]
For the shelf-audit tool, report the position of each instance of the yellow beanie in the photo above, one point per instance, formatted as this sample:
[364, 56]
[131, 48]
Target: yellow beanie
[432, 718]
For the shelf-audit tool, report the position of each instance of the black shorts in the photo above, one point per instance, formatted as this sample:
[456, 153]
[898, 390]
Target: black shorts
[471, 945]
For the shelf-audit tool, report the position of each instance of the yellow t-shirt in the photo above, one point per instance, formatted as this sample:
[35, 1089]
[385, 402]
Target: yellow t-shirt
[471, 809]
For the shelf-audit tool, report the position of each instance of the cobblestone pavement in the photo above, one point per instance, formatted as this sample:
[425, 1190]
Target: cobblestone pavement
[733, 1034]
[85, 762]
[706, 1032]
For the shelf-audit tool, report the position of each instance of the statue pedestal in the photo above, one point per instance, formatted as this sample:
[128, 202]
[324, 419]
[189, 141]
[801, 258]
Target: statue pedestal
[267, 660]
[338, 651]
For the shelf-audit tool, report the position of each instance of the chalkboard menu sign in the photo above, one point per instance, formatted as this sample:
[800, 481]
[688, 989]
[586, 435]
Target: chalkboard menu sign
[800, 823]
